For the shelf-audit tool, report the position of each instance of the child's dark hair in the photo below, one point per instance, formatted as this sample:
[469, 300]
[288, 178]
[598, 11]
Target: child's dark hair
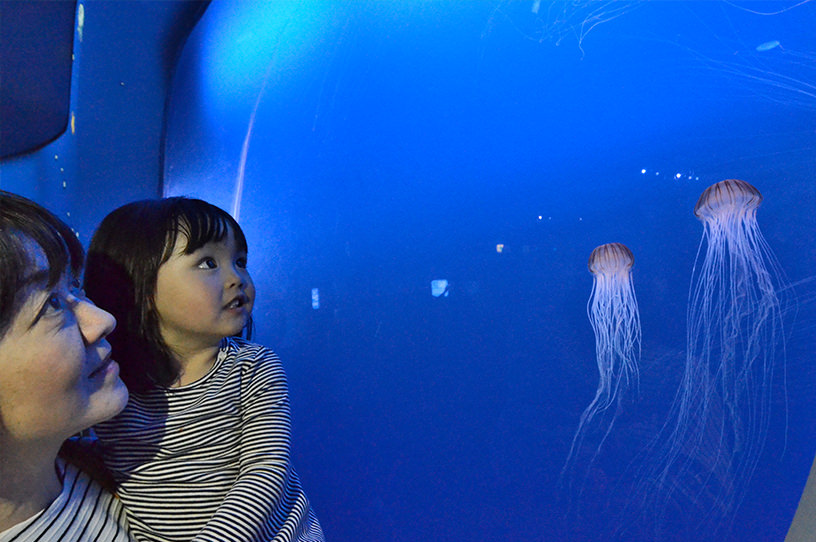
[21, 221]
[123, 264]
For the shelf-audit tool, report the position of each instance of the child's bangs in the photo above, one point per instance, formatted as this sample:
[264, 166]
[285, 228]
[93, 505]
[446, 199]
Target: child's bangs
[202, 223]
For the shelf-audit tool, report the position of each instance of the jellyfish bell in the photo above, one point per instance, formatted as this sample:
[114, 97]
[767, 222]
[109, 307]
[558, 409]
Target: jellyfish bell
[611, 258]
[728, 197]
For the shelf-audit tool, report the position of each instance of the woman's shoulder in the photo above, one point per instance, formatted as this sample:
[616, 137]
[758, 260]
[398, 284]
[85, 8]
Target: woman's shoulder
[83, 511]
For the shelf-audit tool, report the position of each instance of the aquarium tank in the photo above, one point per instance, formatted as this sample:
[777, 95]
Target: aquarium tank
[536, 270]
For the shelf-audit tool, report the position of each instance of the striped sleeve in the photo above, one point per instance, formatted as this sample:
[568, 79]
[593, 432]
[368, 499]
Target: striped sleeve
[266, 502]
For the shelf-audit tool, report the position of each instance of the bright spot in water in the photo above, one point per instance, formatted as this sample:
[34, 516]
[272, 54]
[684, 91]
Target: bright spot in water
[643, 171]
[439, 288]
[80, 20]
[678, 175]
[315, 298]
[500, 247]
[767, 46]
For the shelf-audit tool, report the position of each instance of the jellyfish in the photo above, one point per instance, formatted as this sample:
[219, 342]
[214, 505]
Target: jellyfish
[553, 22]
[613, 314]
[717, 427]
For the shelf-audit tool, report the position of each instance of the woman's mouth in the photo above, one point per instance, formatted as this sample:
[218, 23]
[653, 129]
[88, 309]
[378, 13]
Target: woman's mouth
[107, 364]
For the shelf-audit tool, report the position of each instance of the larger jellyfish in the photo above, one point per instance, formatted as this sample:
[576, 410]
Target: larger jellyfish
[718, 424]
[613, 313]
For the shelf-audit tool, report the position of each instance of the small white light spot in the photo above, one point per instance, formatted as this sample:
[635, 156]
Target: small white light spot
[439, 288]
[64, 184]
[643, 171]
[678, 175]
[315, 298]
[80, 20]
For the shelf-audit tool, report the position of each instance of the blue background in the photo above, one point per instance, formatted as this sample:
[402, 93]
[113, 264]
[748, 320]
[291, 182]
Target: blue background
[369, 148]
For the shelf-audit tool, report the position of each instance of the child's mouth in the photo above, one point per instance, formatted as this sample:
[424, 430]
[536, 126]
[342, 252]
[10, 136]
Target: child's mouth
[237, 303]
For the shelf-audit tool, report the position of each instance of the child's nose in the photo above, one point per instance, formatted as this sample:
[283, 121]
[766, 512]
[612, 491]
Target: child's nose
[236, 276]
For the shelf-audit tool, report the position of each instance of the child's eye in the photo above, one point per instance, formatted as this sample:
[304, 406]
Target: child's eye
[207, 263]
[241, 262]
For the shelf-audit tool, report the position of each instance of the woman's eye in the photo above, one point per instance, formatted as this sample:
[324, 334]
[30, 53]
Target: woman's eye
[207, 263]
[77, 290]
[54, 304]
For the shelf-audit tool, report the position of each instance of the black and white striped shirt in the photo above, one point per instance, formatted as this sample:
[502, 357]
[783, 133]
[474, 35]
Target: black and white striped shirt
[210, 461]
[83, 512]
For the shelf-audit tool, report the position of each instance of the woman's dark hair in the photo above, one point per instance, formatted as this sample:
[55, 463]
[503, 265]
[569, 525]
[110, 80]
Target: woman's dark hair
[123, 264]
[23, 221]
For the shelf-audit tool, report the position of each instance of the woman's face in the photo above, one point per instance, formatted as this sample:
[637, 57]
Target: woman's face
[56, 375]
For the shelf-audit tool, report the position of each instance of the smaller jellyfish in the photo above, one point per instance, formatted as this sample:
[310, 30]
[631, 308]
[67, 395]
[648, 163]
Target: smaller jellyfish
[613, 314]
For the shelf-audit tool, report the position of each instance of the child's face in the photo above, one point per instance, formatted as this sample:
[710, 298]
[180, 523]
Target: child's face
[204, 296]
[56, 375]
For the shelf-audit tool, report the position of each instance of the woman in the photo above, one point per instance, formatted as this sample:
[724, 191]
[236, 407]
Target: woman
[56, 379]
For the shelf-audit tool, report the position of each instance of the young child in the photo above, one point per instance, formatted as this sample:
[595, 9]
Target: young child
[201, 452]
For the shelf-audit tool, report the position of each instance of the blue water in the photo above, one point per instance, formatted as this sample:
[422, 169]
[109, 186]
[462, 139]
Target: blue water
[393, 145]
[374, 147]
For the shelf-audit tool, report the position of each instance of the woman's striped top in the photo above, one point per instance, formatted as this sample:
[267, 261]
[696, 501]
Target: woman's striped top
[83, 512]
[210, 461]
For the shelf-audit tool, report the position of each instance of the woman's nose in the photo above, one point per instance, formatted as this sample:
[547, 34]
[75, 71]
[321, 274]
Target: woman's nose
[94, 323]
